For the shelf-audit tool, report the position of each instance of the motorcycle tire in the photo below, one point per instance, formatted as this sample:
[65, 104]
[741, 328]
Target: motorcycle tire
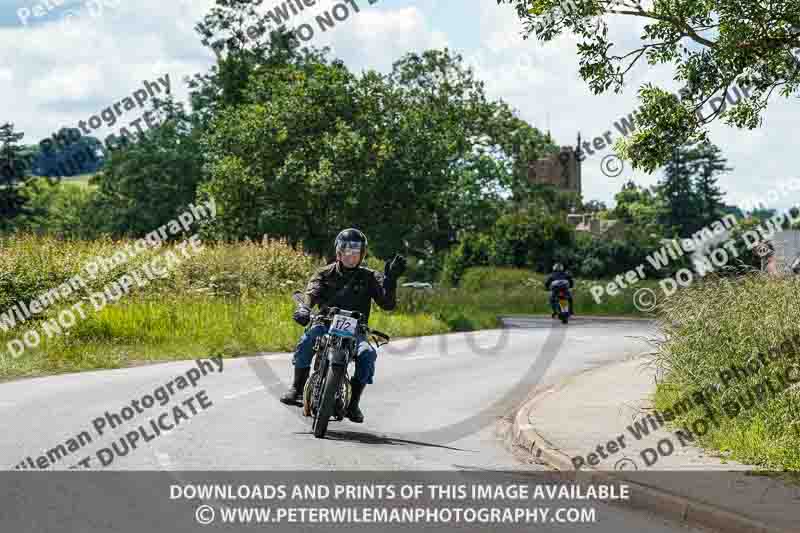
[565, 319]
[328, 401]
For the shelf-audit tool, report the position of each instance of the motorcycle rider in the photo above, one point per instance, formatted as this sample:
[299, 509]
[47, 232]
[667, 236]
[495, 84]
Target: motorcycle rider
[559, 274]
[347, 285]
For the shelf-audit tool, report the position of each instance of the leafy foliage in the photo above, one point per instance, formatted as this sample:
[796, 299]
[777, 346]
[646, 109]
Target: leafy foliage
[13, 176]
[712, 45]
[413, 158]
[147, 183]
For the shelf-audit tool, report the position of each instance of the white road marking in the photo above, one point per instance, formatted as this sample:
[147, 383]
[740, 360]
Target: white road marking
[7, 404]
[278, 356]
[242, 393]
[415, 357]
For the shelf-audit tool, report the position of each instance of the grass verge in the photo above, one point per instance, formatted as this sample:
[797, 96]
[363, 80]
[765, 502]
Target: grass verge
[729, 365]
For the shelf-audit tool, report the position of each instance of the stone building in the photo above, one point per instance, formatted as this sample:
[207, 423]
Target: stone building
[597, 227]
[562, 170]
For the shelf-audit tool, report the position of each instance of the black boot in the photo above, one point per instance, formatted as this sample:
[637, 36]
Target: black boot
[353, 412]
[294, 396]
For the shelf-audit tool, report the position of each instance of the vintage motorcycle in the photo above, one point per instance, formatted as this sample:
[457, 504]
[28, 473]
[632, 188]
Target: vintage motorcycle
[327, 391]
[560, 289]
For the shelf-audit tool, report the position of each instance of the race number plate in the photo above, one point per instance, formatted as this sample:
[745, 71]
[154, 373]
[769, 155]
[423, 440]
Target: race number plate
[343, 326]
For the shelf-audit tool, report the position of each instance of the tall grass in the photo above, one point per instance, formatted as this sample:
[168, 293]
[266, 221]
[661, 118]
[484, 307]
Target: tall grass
[720, 323]
[231, 299]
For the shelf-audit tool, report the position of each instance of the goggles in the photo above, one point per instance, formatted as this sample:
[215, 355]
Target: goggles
[350, 247]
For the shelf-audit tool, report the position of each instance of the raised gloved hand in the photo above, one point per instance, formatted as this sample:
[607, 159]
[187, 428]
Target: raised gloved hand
[302, 316]
[394, 269]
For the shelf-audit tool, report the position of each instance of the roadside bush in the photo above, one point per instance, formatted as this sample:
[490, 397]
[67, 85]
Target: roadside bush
[428, 269]
[482, 278]
[722, 322]
[58, 209]
[605, 258]
[473, 250]
[529, 239]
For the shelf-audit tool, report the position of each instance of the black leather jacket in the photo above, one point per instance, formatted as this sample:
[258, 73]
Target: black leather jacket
[354, 290]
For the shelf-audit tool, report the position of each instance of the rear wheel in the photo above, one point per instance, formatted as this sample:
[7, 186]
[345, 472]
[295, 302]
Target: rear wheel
[328, 402]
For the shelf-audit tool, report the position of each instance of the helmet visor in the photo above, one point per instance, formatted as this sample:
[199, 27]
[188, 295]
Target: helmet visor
[350, 247]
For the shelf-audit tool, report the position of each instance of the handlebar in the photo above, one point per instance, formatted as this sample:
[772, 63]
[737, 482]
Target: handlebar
[328, 316]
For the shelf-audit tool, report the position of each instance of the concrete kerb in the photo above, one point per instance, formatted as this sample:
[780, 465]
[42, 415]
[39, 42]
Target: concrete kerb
[521, 436]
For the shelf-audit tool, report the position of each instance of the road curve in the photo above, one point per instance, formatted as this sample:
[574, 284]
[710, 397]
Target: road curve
[420, 412]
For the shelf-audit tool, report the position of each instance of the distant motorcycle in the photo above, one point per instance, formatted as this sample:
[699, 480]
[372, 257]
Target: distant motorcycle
[560, 290]
[327, 391]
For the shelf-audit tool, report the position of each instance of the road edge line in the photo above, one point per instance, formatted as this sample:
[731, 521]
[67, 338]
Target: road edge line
[521, 436]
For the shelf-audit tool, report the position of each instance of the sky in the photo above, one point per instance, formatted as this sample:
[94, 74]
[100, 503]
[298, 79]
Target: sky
[78, 57]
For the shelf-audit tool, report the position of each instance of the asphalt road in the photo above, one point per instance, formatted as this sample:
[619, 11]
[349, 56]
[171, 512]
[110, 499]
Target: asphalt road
[433, 406]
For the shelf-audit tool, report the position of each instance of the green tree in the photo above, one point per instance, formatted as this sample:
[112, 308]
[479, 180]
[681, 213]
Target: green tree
[712, 45]
[640, 207]
[13, 176]
[413, 158]
[520, 144]
[594, 206]
[244, 41]
[682, 207]
[74, 154]
[287, 161]
[707, 162]
[147, 183]
[530, 238]
[59, 209]
[460, 141]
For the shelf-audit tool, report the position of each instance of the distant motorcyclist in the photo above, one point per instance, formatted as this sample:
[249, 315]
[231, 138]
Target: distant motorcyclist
[347, 285]
[559, 274]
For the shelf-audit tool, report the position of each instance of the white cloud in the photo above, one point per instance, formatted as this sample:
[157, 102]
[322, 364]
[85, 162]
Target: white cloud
[374, 38]
[79, 63]
[542, 81]
[57, 78]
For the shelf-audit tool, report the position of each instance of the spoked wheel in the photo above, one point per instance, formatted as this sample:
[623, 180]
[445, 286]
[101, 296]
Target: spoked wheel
[327, 403]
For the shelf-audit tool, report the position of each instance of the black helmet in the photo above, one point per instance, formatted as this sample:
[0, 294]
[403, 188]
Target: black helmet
[352, 238]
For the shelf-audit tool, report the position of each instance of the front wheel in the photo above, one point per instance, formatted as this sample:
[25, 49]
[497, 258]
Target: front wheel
[328, 402]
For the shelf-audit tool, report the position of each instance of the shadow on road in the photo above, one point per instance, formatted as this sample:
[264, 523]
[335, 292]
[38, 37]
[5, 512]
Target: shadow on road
[369, 438]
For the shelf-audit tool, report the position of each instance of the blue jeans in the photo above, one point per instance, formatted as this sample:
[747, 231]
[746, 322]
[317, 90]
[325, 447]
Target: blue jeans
[365, 358]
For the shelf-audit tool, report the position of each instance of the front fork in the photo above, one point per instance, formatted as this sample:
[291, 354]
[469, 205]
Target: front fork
[322, 361]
